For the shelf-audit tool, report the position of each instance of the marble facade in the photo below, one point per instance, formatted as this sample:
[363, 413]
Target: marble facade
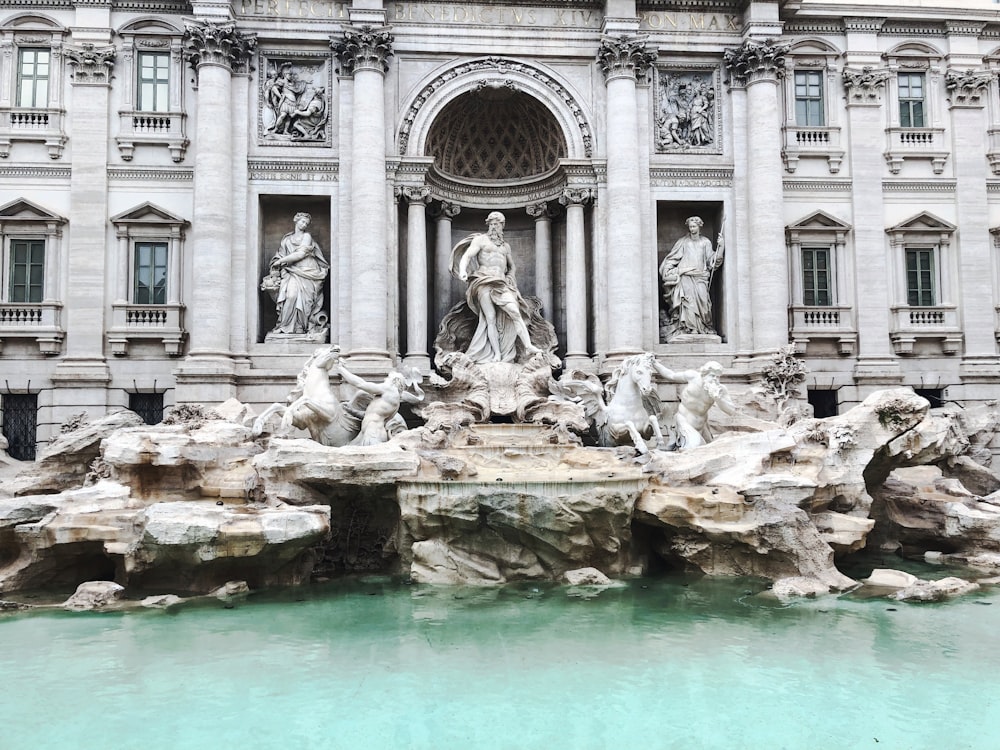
[852, 164]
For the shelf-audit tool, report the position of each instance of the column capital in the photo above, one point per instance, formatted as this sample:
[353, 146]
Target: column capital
[217, 43]
[446, 210]
[92, 65]
[414, 193]
[576, 196]
[364, 47]
[865, 86]
[966, 88]
[756, 61]
[539, 211]
[624, 56]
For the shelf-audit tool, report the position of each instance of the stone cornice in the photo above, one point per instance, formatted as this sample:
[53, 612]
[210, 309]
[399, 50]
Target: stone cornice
[820, 185]
[151, 174]
[865, 86]
[756, 61]
[18, 171]
[966, 88]
[92, 65]
[217, 43]
[870, 25]
[364, 48]
[964, 28]
[624, 56]
[919, 186]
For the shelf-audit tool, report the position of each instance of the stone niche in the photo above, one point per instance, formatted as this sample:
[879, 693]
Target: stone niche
[277, 214]
[670, 227]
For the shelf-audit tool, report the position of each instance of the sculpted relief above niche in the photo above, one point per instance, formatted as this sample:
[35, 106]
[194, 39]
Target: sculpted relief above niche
[294, 99]
[688, 110]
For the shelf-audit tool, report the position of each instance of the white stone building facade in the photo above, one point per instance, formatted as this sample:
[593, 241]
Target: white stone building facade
[154, 153]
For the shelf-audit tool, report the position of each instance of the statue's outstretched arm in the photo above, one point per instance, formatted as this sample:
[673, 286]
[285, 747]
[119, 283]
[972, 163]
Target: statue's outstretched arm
[349, 377]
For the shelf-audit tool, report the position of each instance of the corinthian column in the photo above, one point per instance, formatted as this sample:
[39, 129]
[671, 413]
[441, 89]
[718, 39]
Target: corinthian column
[757, 66]
[364, 52]
[442, 259]
[967, 92]
[622, 58]
[84, 369]
[576, 275]
[214, 49]
[417, 199]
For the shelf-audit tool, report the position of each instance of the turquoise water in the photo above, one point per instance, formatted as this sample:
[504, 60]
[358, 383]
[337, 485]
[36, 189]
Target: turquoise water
[665, 663]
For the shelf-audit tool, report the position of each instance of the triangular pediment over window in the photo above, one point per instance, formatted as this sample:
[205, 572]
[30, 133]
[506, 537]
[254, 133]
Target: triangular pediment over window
[923, 222]
[819, 221]
[25, 210]
[148, 213]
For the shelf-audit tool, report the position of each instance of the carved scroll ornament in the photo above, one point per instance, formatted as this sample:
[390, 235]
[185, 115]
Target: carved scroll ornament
[966, 88]
[755, 61]
[217, 43]
[863, 86]
[624, 56]
[364, 48]
[91, 64]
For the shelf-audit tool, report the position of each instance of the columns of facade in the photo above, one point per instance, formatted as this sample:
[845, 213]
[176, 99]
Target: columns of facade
[576, 275]
[967, 94]
[757, 66]
[214, 49]
[876, 365]
[442, 259]
[542, 215]
[417, 199]
[623, 58]
[82, 374]
[364, 51]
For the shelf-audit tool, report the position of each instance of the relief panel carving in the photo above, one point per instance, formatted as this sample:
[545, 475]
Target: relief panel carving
[294, 99]
[688, 112]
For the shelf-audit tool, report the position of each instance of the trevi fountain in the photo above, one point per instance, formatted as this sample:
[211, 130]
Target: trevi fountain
[502, 533]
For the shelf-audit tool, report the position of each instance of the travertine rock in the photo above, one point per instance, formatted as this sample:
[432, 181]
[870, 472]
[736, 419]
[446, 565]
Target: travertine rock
[63, 464]
[586, 577]
[786, 589]
[890, 579]
[161, 601]
[94, 595]
[935, 591]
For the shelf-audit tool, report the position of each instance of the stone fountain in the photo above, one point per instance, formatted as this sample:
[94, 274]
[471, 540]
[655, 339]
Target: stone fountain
[511, 475]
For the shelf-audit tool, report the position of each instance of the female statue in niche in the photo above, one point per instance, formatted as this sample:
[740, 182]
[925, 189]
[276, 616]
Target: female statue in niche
[295, 282]
[687, 273]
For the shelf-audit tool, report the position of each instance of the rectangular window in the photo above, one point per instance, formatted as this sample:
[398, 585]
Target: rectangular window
[920, 277]
[816, 276]
[150, 273]
[33, 77]
[27, 270]
[824, 403]
[20, 424]
[149, 406]
[154, 82]
[911, 100]
[809, 98]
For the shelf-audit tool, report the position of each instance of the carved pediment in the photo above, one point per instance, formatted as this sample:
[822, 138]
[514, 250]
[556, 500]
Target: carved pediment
[819, 221]
[149, 214]
[923, 222]
[152, 26]
[25, 211]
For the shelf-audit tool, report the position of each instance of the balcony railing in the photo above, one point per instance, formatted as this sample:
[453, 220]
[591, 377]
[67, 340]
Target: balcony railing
[916, 143]
[162, 323]
[910, 324]
[823, 142]
[44, 125]
[152, 128]
[39, 321]
[821, 322]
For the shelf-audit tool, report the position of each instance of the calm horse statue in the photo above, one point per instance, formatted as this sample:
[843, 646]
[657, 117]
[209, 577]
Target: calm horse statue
[314, 406]
[631, 410]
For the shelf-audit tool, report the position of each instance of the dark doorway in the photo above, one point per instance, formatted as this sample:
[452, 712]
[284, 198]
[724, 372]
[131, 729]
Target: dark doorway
[20, 424]
[149, 406]
[824, 403]
[934, 395]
